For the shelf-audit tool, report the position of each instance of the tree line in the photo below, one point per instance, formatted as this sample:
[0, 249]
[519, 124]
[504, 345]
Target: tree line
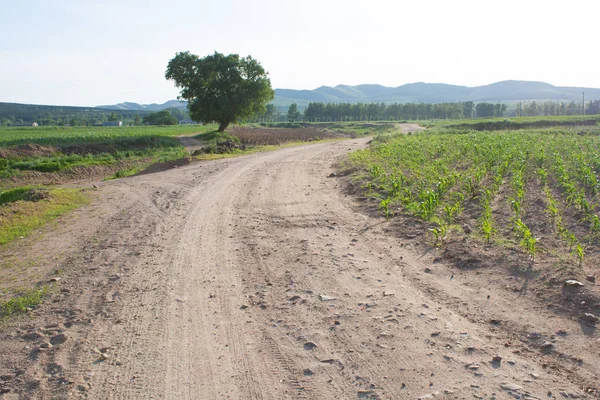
[551, 108]
[331, 112]
[13, 114]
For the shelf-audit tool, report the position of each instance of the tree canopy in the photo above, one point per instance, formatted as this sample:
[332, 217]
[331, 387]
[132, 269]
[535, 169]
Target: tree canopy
[163, 117]
[220, 88]
[293, 114]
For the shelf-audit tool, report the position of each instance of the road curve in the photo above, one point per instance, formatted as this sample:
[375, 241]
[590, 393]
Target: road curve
[256, 278]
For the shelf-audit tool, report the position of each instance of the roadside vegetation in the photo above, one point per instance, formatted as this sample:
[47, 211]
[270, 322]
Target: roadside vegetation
[24, 151]
[25, 209]
[35, 161]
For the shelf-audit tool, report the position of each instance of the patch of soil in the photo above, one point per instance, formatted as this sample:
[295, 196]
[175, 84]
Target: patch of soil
[466, 250]
[83, 149]
[164, 166]
[27, 150]
[275, 136]
[72, 176]
[37, 194]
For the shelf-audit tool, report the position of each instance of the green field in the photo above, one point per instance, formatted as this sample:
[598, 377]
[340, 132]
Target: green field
[514, 123]
[54, 149]
[64, 136]
[536, 190]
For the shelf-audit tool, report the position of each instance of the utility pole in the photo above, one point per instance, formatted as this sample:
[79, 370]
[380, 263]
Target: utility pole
[583, 102]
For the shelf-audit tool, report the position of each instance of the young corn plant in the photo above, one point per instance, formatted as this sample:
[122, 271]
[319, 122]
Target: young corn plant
[580, 252]
[428, 205]
[385, 206]
[486, 223]
[594, 224]
[451, 211]
[486, 228]
[527, 240]
[440, 233]
[543, 175]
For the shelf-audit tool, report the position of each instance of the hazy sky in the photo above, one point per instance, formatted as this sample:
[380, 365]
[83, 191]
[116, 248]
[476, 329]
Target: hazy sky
[80, 52]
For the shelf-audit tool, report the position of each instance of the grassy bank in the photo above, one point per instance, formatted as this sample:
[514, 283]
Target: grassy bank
[56, 149]
[26, 209]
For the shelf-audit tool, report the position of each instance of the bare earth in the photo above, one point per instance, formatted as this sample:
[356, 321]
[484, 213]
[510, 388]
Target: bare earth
[258, 278]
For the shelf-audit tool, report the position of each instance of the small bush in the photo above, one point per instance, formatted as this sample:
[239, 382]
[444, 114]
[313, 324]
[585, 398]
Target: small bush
[15, 194]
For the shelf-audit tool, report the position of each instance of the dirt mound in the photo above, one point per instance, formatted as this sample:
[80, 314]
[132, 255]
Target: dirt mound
[27, 150]
[37, 194]
[274, 136]
[164, 166]
[83, 149]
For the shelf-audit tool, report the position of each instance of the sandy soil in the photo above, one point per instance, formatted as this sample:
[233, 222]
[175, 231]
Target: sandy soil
[410, 128]
[190, 143]
[258, 278]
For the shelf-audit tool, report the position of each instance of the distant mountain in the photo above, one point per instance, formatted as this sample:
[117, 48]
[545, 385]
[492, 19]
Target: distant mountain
[146, 107]
[505, 91]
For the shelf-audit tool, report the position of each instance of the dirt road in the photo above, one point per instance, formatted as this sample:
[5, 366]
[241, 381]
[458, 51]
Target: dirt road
[258, 278]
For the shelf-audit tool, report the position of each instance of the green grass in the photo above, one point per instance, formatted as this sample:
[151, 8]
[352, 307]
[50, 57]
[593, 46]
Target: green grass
[514, 122]
[89, 154]
[23, 301]
[65, 136]
[125, 172]
[212, 139]
[215, 135]
[20, 218]
[15, 194]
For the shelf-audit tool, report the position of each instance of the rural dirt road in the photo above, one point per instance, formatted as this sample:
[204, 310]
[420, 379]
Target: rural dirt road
[258, 278]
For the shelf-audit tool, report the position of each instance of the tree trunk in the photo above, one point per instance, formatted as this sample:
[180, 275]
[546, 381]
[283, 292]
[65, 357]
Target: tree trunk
[223, 125]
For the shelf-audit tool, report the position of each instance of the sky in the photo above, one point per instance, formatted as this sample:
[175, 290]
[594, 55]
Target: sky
[89, 53]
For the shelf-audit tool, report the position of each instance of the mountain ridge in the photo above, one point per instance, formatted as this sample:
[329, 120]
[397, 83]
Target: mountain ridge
[130, 106]
[416, 92]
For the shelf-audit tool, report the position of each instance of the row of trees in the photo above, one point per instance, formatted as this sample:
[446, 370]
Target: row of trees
[326, 112]
[549, 108]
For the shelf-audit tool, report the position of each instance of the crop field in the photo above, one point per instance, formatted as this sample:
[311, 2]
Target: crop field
[490, 124]
[64, 136]
[275, 136]
[24, 151]
[533, 192]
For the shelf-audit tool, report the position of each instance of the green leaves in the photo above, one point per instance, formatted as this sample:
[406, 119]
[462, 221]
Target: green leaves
[220, 88]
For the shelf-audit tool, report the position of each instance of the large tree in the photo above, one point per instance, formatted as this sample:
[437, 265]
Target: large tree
[220, 88]
[163, 117]
[293, 114]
